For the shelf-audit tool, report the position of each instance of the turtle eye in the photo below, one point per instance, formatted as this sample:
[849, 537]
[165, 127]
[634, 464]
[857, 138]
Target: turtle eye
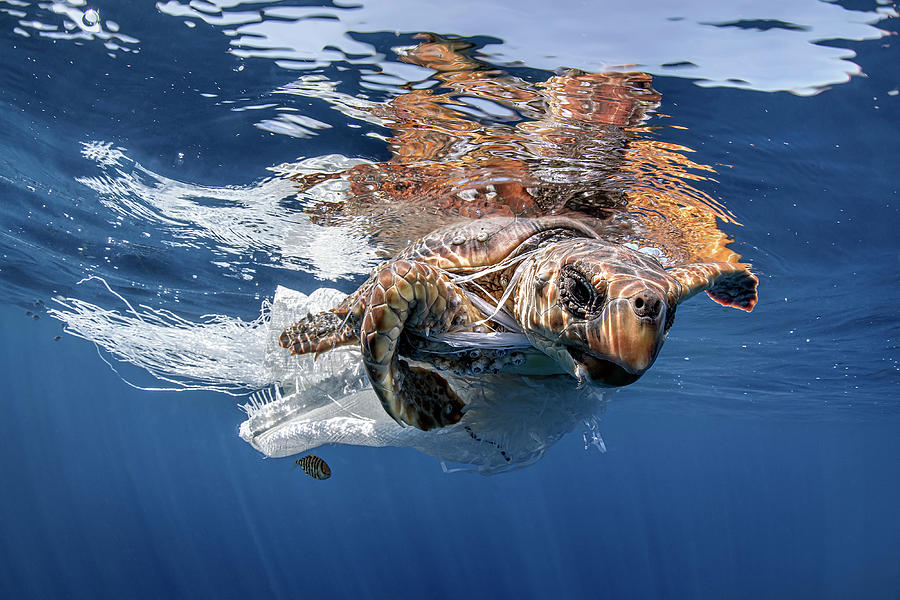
[578, 296]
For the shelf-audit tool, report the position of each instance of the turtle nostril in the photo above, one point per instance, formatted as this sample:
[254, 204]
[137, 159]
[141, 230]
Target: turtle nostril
[646, 304]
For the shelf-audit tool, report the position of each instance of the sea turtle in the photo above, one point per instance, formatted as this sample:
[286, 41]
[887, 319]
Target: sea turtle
[600, 310]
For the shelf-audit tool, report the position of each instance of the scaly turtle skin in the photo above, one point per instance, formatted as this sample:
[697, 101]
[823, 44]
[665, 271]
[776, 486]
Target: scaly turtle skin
[600, 310]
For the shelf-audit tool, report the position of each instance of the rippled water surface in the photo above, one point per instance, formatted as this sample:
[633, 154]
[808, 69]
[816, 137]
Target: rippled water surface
[195, 156]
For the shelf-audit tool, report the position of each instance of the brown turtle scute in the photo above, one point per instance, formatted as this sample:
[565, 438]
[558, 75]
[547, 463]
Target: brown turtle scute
[600, 310]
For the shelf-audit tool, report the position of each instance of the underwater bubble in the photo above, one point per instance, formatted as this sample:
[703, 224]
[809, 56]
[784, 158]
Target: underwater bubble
[91, 17]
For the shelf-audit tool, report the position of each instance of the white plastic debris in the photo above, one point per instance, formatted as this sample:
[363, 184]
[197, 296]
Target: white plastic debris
[301, 403]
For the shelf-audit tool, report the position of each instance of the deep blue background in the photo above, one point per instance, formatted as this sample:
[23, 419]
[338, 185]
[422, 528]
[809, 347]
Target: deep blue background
[764, 466]
[111, 492]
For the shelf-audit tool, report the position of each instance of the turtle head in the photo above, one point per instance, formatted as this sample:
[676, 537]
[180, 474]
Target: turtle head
[603, 311]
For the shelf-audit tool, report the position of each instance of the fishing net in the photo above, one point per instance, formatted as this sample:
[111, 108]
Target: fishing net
[300, 403]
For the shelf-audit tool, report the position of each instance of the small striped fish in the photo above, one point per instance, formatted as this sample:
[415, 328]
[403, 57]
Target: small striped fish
[314, 466]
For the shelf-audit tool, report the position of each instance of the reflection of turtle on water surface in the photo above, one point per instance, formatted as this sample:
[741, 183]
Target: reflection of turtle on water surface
[547, 195]
[600, 311]
[483, 143]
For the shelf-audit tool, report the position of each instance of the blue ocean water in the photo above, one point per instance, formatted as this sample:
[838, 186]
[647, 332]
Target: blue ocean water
[756, 459]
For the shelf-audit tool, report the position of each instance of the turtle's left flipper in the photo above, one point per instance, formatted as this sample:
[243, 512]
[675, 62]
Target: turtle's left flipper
[408, 295]
[426, 399]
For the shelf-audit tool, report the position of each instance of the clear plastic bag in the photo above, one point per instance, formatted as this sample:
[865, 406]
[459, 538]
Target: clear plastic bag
[302, 403]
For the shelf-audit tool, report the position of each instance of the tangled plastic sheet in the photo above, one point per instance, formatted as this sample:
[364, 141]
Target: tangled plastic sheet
[301, 403]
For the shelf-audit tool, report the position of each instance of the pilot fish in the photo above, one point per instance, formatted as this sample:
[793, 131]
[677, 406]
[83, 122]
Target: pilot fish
[314, 466]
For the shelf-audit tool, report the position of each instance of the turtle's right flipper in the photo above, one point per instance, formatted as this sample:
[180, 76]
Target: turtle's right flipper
[317, 333]
[728, 284]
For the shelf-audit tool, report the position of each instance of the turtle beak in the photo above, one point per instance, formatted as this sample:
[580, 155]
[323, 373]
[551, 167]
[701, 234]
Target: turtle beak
[623, 342]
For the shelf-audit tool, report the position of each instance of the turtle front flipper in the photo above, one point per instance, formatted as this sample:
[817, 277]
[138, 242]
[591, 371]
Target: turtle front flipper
[317, 333]
[426, 400]
[411, 296]
[728, 284]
